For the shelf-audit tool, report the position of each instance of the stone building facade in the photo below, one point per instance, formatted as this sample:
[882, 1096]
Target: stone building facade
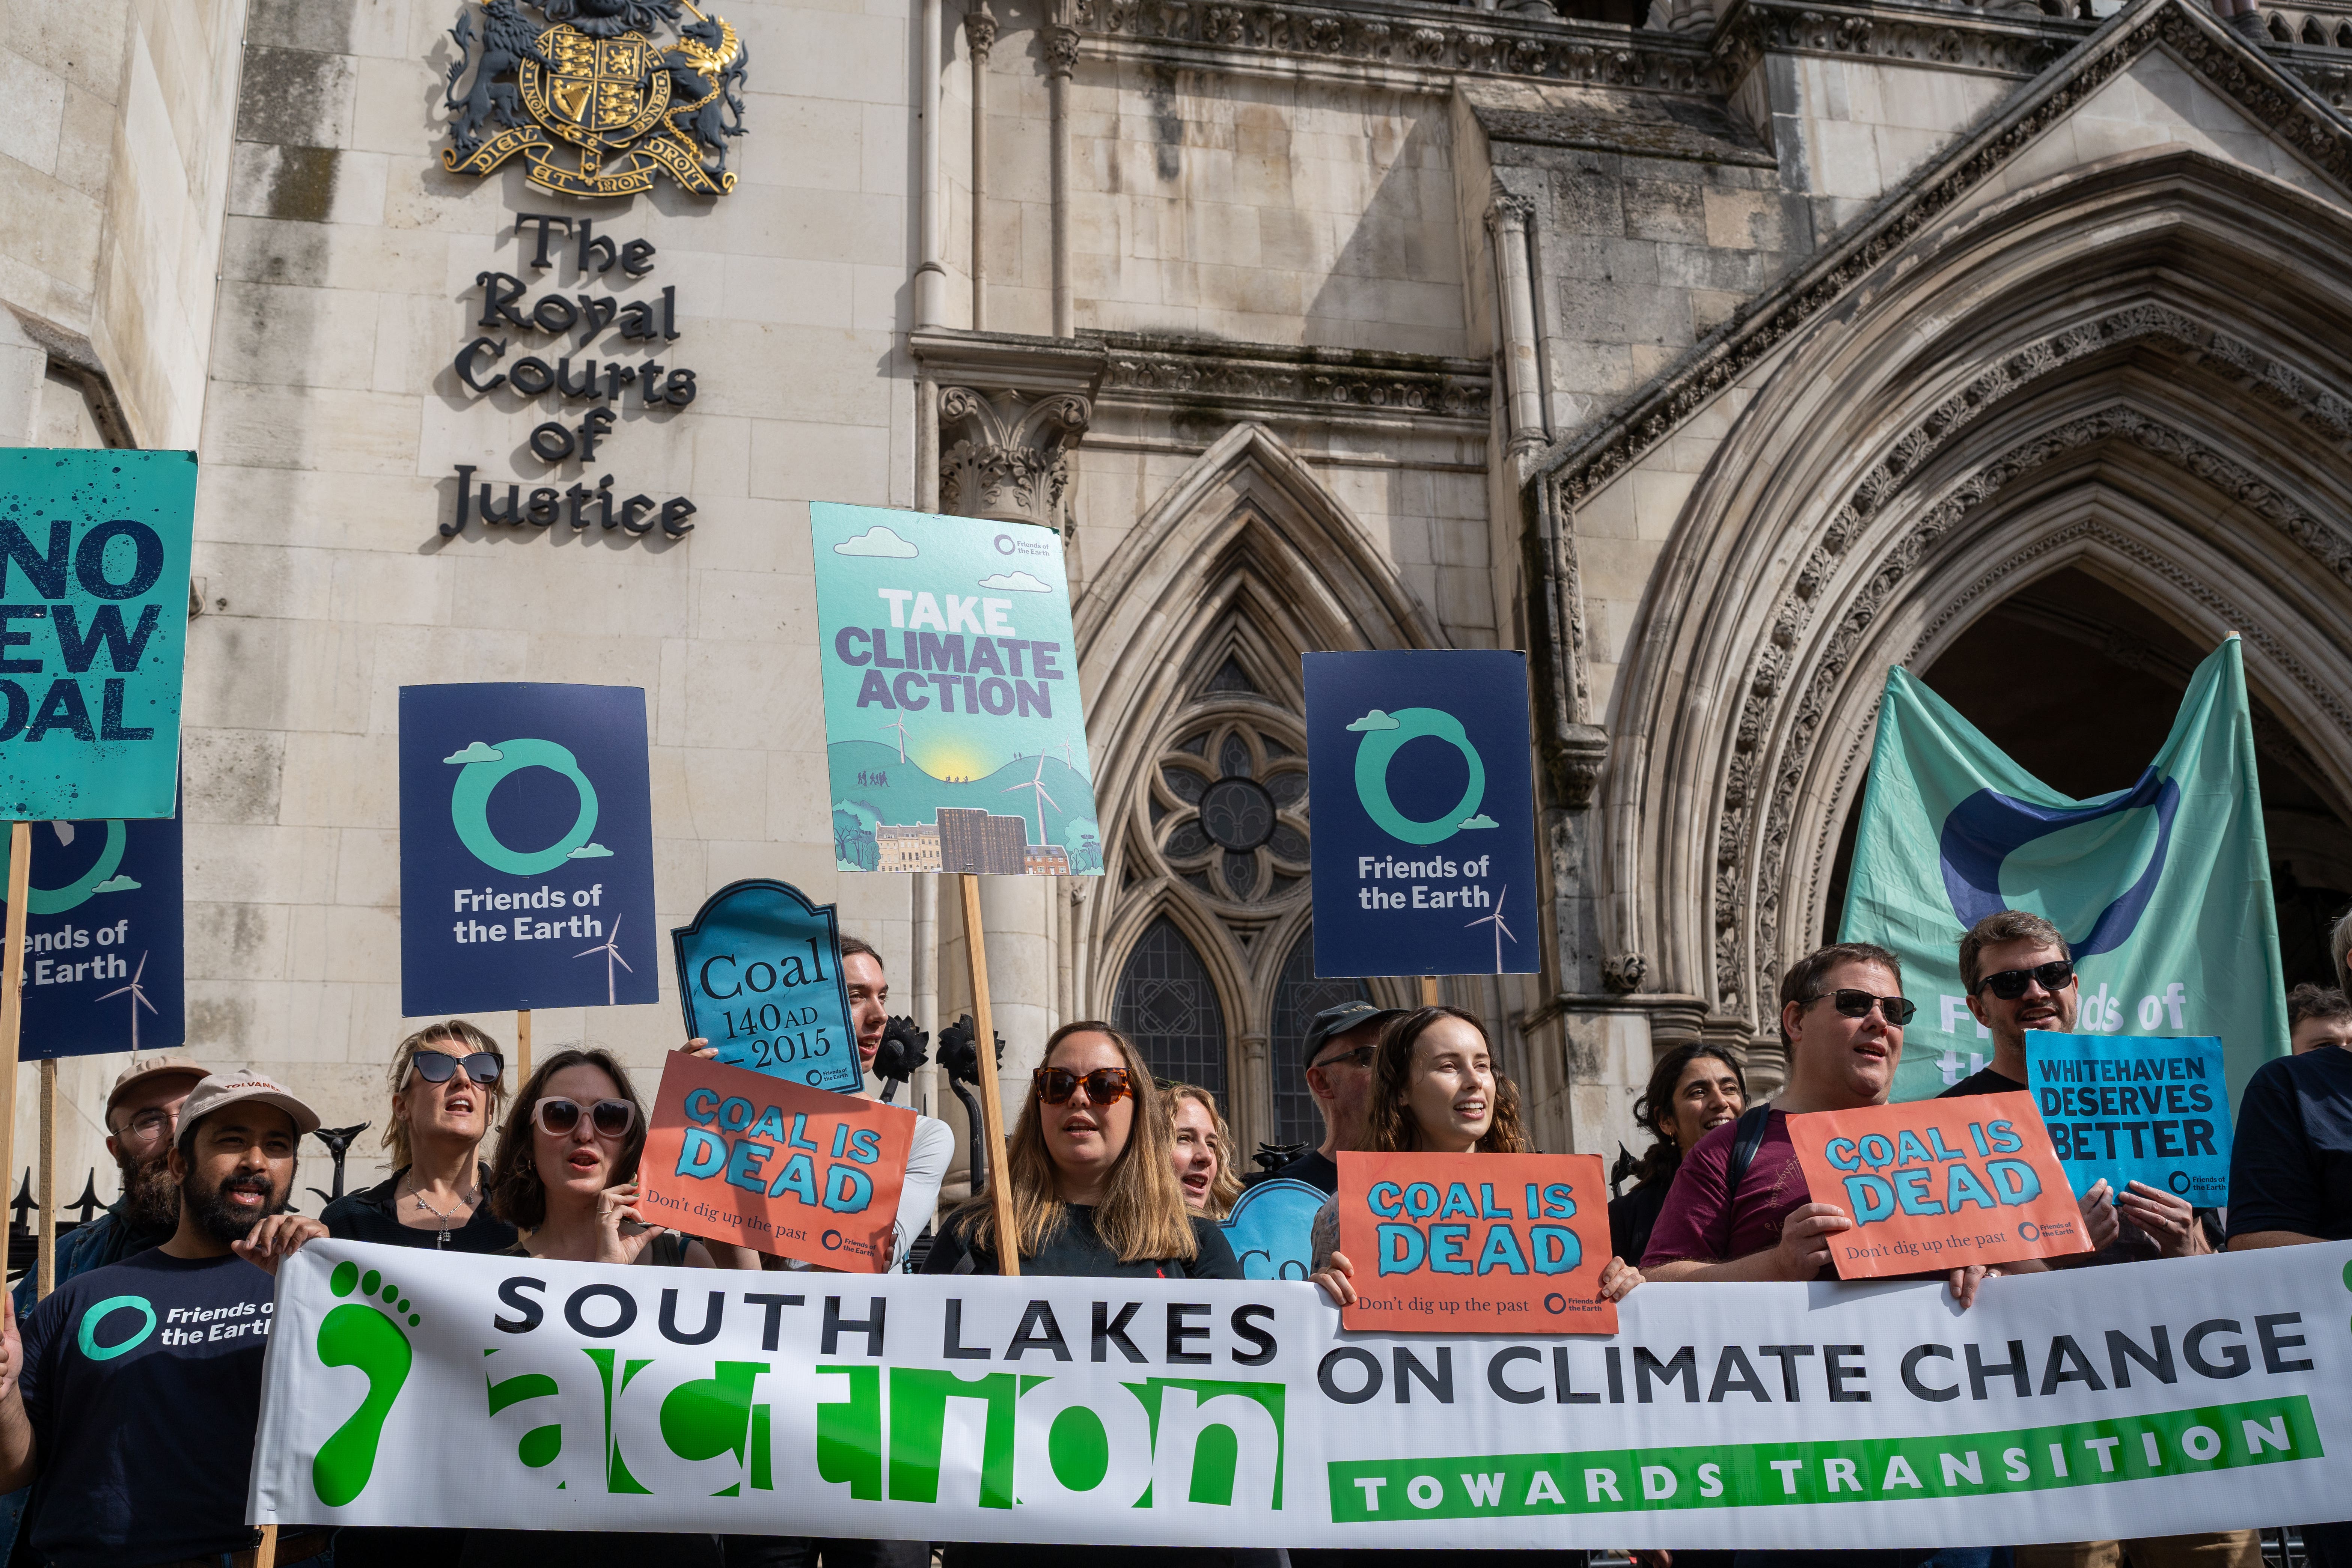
[1718, 357]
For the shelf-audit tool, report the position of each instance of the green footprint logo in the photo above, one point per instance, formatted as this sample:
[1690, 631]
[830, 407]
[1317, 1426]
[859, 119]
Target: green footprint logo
[362, 1334]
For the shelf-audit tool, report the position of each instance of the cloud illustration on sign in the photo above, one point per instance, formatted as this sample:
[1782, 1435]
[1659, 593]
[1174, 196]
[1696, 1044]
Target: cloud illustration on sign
[1015, 582]
[476, 753]
[1481, 820]
[590, 852]
[116, 884]
[877, 540]
[1375, 720]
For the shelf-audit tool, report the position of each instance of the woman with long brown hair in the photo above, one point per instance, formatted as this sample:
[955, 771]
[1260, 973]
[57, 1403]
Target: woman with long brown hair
[1202, 1149]
[1092, 1176]
[1693, 1089]
[1435, 1090]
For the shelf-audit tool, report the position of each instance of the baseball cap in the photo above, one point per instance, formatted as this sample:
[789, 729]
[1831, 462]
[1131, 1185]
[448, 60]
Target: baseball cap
[1338, 1020]
[222, 1089]
[140, 1072]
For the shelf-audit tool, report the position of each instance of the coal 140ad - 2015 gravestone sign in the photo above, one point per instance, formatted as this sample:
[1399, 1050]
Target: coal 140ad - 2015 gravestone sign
[759, 976]
[526, 847]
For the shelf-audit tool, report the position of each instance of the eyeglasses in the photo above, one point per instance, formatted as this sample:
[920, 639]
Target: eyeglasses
[439, 1066]
[150, 1124]
[1360, 1057]
[1858, 1003]
[1103, 1085]
[2009, 984]
[558, 1118]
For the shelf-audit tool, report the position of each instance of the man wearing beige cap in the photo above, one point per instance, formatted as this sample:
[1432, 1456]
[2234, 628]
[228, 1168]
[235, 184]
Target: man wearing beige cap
[130, 1399]
[142, 1114]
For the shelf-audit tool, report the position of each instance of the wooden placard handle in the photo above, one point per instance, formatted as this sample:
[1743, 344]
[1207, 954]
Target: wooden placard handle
[522, 1048]
[45, 1266]
[992, 1105]
[1429, 990]
[12, 988]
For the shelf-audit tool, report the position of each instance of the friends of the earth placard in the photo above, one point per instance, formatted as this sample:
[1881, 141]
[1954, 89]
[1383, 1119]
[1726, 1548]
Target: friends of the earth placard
[1476, 1243]
[526, 847]
[792, 1170]
[1938, 1183]
[953, 730]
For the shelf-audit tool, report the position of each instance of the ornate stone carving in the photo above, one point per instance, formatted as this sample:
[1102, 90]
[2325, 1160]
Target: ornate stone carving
[1061, 50]
[1007, 453]
[1509, 214]
[1623, 973]
[1741, 343]
[1149, 368]
[1487, 43]
[1576, 756]
[980, 31]
[2020, 46]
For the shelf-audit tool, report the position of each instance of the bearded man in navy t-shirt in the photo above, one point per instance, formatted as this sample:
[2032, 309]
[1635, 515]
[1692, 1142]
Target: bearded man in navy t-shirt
[131, 1397]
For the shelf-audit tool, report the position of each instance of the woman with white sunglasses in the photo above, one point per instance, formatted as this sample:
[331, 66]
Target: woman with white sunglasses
[446, 1090]
[566, 1170]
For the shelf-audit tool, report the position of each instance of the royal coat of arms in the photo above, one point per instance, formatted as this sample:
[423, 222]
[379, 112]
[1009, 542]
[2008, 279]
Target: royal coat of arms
[593, 101]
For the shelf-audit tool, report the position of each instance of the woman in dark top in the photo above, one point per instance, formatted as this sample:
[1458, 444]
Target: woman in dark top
[447, 1087]
[1093, 1177]
[1693, 1090]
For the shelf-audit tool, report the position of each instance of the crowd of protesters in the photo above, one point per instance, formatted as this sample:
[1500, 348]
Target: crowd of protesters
[1111, 1172]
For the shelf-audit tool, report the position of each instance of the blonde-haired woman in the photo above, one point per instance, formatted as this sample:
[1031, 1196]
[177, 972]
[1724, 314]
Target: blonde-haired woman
[1092, 1176]
[447, 1085]
[1202, 1149]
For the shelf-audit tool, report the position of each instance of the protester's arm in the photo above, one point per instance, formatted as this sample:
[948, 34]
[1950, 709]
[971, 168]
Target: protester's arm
[2256, 1240]
[17, 1446]
[2101, 1225]
[2170, 1222]
[277, 1236]
[1803, 1252]
[1618, 1279]
[928, 1159]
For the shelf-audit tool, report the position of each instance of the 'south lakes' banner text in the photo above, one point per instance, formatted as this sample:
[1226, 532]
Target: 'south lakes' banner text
[526, 1394]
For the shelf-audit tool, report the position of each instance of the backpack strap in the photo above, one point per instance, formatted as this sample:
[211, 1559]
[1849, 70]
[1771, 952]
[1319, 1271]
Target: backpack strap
[1747, 1137]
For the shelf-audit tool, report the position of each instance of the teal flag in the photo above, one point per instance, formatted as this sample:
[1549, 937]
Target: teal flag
[2163, 889]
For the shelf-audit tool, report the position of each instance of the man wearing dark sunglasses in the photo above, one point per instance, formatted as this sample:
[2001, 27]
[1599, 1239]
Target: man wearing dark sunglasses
[1337, 1062]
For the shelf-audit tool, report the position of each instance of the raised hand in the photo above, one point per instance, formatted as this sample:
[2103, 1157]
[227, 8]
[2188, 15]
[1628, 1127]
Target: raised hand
[1339, 1281]
[1617, 1280]
[616, 1212]
[277, 1236]
[2097, 1208]
[1805, 1249]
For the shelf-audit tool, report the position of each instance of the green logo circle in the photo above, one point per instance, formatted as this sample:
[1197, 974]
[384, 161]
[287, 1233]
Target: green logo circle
[74, 894]
[469, 806]
[101, 1312]
[1380, 746]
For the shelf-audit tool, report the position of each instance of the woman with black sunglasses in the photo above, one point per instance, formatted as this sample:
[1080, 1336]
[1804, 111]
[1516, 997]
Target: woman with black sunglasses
[1092, 1171]
[447, 1090]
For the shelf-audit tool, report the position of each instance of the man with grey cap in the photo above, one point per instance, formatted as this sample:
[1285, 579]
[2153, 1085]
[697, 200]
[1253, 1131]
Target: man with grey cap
[142, 1114]
[1338, 1062]
[131, 1397]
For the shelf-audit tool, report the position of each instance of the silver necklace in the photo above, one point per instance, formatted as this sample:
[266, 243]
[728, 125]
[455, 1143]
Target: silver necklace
[442, 1238]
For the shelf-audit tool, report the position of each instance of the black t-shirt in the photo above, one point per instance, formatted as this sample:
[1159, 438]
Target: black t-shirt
[371, 1215]
[1076, 1252]
[2291, 1152]
[1984, 1081]
[143, 1383]
[1315, 1168]
[1632, 1217]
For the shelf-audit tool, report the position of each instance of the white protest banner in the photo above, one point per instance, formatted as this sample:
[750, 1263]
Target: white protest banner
[2192, 1395]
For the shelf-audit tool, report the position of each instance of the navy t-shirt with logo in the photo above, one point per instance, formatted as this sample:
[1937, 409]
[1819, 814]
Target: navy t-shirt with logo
[143, 1383]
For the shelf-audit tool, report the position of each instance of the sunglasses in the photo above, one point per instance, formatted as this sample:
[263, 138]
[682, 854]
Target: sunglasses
[1103, 1085]
[2009, 984]
[558, 1118]
[1360, 1057]
[440, 1067]
[1858, 1003]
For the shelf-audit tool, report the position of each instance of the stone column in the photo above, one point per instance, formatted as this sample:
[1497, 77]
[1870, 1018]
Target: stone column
[1515, 321]
[1061, 60]
[980, 34]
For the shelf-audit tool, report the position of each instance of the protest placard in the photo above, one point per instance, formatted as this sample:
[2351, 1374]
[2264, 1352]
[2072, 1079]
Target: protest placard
[1210, 1413]
[774, 1165]
[2132, 1108]
[1419, 783]
[1271, 1228]
[104, 938]
[1476, 1243]
[2162, 889]
[1938, 1183]
[526, 847]
[93, 630]
[759, 976]
[954, 734]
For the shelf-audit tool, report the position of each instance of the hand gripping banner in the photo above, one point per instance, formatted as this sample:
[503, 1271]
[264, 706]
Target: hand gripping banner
[522, 1393]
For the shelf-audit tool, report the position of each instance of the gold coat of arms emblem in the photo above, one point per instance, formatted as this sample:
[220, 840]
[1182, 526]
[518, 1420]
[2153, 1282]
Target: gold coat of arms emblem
[596, 105]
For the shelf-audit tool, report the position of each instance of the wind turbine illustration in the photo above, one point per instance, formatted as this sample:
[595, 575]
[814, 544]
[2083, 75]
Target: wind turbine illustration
[899, 725]
[612, 956]
[138, 999]
[1501, 931]
[1043, 800]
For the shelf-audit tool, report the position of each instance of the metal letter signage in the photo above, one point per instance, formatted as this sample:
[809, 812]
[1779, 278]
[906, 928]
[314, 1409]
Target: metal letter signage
[595, 103]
